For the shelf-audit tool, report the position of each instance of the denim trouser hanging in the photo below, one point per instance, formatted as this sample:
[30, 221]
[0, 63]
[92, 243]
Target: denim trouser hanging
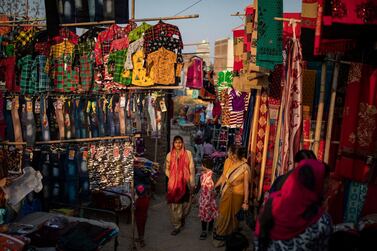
[8, 119]
[96, 10]
[83, 173]
[71, 174]
[76, 118]
[82, 11]
[101, 119]
[83, 119]
[94, 119]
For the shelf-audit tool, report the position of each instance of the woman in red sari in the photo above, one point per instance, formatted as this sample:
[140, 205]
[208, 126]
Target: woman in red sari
[180, 171]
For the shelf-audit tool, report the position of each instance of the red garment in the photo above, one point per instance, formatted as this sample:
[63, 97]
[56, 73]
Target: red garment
[104, 39]
[238, 38]
[141, 213]
[207, 201]
[195, 74]
[65, 34]
[354, 11]
[179, 175]
[359, 132]
[9, 65]
[289, 204]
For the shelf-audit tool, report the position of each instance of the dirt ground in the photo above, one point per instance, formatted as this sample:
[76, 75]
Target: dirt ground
[158, 227]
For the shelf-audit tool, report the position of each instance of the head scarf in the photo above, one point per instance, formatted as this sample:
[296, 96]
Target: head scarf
[290, 203]
[179, 175]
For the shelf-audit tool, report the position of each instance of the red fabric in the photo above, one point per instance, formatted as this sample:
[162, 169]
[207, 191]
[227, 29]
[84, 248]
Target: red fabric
[288, 29]
[359, 126]
[354, 11]
[9, 65]
[308, 6]
[238, 37]
[141, 213]
[179, 175]
[292, 200]
[370, 205]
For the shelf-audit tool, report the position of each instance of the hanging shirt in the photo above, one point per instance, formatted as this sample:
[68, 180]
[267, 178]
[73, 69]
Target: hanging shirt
[233, 118]
[60, 67]
[164, 35]
[116, 66]
[7, 66]
[161, 65]
[84, 59]
[105, 38]
[42, 48]
[195, 74]
[138, 32]
[139, 73]
[137, 45]
[65, 34]
[40, 78]
[119, 44]
[25, 66]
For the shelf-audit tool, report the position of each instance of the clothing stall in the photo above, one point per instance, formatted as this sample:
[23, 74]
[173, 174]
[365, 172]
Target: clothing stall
[76, 109]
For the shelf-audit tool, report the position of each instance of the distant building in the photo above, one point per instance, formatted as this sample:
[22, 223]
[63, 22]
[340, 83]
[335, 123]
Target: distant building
[223, 55]
[203, 51]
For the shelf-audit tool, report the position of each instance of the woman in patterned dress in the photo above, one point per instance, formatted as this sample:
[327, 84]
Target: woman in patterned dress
[207, 203]
[294, 217]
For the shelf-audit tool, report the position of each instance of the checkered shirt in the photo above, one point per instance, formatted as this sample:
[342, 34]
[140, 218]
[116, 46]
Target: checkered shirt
[64, 35]
[103, 44]
[24, 37]
[138, 32]
[25, 65]
[40, 78]
[116, 66]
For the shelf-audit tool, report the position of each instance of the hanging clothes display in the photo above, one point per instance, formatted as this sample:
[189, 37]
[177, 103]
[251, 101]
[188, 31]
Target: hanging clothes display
[291, 107]
[359, 135]
[195, 73]
[270, 34]
[234, 104]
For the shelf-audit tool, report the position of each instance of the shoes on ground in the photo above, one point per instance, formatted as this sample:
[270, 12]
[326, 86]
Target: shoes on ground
[175, 232]
[203, 235]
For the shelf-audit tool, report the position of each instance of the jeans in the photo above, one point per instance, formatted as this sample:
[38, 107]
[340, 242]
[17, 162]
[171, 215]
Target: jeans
[152, 114]
[28, 122]
[101, 118]
[8, 119]
[94, 119]
[71, 174]
[83, 173]
[67, 121]
[76, 118]
[95, 10]
[110, 120]
[83, 119]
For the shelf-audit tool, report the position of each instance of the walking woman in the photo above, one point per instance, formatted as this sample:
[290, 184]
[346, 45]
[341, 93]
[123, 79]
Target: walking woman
[234, 182]
[180, 171]
[294, 217]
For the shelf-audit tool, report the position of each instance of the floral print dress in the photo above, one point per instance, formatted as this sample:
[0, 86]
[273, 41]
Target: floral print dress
[207, 203]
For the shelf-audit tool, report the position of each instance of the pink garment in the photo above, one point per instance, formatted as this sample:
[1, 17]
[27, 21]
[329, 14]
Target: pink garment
[208, 149]
[119, 44]
[216, 109]
[207, 203]
[195, 74]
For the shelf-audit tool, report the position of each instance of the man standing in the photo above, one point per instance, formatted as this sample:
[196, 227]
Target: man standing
[180, 171]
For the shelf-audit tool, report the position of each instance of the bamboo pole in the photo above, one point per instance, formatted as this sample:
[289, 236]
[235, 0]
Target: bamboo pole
[287, 19]
[331, 113]
[277, 145]
[254, 132]
[264, 158]
[321, 104]
[22, 21]
[133, 9]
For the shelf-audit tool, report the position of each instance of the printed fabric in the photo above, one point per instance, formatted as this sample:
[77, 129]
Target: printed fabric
[195, 73]
[207, 203]
[230, 117]
[104, 39]
[164, 35]
[138, 32]
[359, 127]
[135, 46]
[161, 66]
[139, 73]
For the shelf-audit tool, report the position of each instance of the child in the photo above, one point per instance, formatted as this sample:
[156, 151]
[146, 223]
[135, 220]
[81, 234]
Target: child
[207, 204]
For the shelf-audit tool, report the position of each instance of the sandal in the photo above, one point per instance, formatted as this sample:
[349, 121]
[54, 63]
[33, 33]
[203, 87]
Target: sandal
[203, 235]
[175, 232]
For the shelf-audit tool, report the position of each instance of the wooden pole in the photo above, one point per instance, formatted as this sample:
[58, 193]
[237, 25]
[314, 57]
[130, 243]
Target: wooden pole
[287, 19]
[133, 9]
[321, 104]
[277, 145]
[264, 158]
[331, 113]
[253, 143]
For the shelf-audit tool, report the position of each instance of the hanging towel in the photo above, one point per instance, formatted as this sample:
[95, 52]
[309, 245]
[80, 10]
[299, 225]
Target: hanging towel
[270, 34]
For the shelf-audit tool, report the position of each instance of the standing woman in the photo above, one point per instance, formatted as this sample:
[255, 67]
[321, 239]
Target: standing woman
[234, 182]
[180, 171]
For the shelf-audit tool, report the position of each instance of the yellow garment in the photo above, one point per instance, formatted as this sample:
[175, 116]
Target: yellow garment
[65, 49]
[232, 197]
[161, 64]
[139, 74]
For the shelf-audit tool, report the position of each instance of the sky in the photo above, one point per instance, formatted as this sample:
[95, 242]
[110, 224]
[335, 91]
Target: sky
[214, 22]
